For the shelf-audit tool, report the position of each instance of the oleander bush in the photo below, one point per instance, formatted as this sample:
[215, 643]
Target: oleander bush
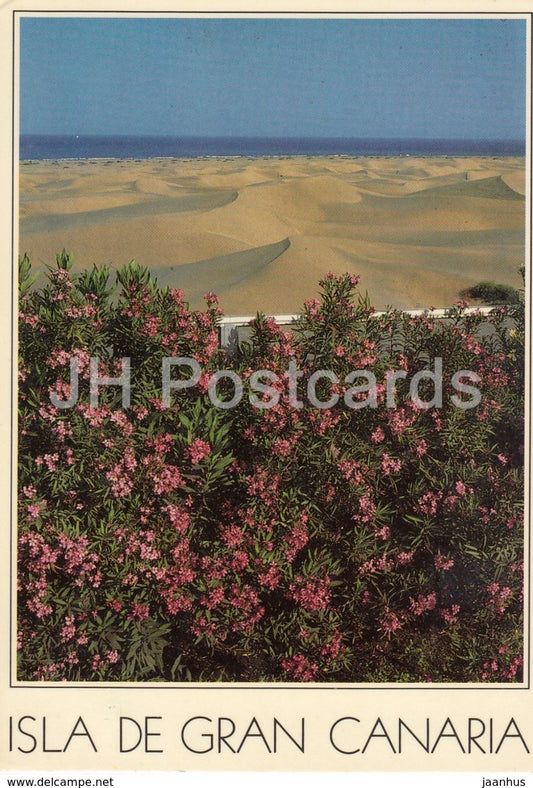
[360, 540]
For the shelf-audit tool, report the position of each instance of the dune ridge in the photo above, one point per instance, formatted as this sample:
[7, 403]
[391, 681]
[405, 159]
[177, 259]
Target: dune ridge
[224, 272]
[121, 213]
[262, 232]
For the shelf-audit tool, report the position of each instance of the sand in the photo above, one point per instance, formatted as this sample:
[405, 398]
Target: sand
[262, 232]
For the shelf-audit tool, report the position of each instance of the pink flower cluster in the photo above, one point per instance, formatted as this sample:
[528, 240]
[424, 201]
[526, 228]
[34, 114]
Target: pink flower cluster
[312, 594]
[299, 667]
[198, 450]
[182, 543]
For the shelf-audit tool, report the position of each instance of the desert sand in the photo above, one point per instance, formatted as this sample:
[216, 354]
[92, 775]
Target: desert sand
[261, 232]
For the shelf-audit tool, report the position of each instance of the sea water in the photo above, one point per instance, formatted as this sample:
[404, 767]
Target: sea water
[41, 147]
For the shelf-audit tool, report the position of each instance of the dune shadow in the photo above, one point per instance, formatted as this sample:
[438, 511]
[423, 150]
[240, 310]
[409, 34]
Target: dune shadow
[204, 201]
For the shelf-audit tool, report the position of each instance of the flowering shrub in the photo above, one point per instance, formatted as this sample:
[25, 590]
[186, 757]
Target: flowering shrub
[377, 538]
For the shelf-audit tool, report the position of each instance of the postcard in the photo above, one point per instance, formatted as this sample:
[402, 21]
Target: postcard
[265, 413]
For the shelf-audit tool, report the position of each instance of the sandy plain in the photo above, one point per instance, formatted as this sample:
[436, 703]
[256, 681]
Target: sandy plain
[262, 232]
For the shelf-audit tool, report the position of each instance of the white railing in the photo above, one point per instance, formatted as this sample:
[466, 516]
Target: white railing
[229, 326]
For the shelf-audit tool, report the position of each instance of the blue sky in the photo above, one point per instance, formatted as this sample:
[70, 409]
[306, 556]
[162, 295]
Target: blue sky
[433, 78]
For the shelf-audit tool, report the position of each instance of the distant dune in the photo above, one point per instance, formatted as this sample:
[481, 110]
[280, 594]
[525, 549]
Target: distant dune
[261, 232]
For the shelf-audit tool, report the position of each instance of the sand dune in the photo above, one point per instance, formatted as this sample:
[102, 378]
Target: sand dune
[262, 232]
[149, 185]
[224, 272]
[50, 222]
[492, 188]
[516, 181]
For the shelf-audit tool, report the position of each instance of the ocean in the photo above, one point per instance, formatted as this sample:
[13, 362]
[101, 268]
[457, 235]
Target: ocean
[40, 147]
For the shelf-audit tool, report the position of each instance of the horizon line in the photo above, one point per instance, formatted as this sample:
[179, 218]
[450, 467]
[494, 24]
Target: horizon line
[267, 136]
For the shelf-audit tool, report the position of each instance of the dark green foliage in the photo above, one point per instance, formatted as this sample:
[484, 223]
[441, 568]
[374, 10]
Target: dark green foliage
[358, 542]
[492, 293]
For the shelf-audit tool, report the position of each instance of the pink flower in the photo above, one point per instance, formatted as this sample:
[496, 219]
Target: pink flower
[500, 597]
[51, 461]
[232, 535]
[423, 603]
[390, 465]
[95, 416]
[30, 320]
[33, 511]
[404, 558]
[69, 629]
[282, 447]
[211, 298]
[198, 451]
[460, 487]
[381, 564]
[312, 594]
[400, 420]
[271, 578]
[333, 647]
[299, 667]
[428, 503]
[176, 603]
[390, 622]
[421, 447]
[177, 295]
[450, 614]
[245, 600]
[151, 325]
[120, 474]
[442, 563]
[119, 417]
[180, 520]
[351, 470]
[367, 509]
[214, 598]
[201, 627]
[167, 479]
[140, 611]
[312, 307]
[239, 561]
[160, 443]
[378, 436]
[297, 538]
